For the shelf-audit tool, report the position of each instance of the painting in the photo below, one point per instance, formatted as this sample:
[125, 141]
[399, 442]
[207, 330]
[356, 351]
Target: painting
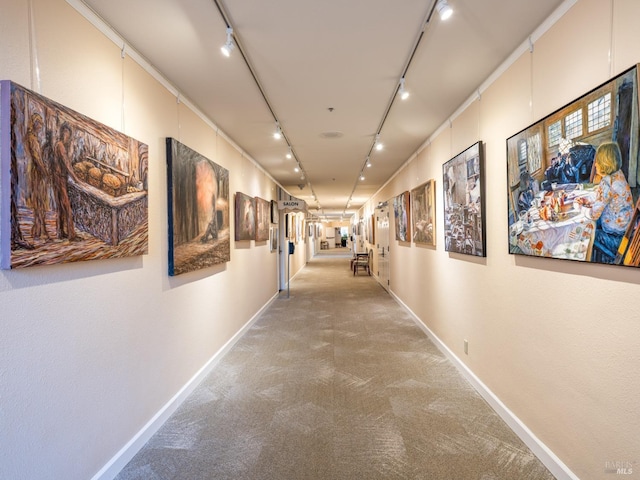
[245, 217]
[263, 214]
[273, 239]
[72, 189]
[423, 213]
[198, 202]
[275, 213]
[372, 226]
[463, 187]
[573, 179]
[402, 214]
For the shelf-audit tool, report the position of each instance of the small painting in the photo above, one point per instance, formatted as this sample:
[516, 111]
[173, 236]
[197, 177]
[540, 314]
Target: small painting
[245, 217]
[72, 189]
[423, 213]
[463, 184]
[198, 194]
[402, 215]
[263, 214]
[273, 238]
[574, 179]
[275, 213]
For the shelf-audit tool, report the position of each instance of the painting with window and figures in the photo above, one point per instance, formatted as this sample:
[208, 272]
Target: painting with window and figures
[573, 179]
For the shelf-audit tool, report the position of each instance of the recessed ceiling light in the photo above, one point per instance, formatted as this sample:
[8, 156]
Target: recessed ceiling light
[331, 134]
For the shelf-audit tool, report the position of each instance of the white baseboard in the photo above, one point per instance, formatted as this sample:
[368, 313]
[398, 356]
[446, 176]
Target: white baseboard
[539, 449]
[126, 453]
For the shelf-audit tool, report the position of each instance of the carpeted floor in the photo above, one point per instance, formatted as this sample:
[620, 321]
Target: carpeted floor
[335, 382]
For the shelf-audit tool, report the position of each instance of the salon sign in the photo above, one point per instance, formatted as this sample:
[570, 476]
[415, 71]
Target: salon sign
[293, 204]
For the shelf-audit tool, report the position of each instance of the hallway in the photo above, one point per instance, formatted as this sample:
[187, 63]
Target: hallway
[335, 382]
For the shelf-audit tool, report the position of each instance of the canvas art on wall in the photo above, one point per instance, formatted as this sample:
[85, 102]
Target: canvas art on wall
[573, 179]
[263, 214]
[198, 197]
[72, 189]
[273, 239]
[245, 217]
[402, 215]
[463, 186]
[423, 213]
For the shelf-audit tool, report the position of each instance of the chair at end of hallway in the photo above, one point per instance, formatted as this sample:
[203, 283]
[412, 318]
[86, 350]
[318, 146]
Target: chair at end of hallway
[361, 261]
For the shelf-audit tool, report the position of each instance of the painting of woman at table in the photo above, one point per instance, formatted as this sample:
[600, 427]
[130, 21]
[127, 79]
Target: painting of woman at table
[613, 205]
[585, 158]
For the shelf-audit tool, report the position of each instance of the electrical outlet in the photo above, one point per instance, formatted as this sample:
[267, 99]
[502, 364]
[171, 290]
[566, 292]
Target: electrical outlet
[466, 346]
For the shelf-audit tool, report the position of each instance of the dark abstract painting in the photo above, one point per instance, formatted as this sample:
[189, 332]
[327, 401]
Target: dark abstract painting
[198, 194]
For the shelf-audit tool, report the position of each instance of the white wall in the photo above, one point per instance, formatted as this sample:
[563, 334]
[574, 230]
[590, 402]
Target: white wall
[91, 351]
[558, 342]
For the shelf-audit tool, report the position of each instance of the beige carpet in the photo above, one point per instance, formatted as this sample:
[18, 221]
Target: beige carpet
[335, 382]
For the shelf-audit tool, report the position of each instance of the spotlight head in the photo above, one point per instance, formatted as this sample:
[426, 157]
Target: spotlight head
[444, 10]
[402, 92]
[227, 48]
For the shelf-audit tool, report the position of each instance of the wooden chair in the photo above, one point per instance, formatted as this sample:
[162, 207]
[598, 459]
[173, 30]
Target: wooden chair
[629, 248]
[361, 261]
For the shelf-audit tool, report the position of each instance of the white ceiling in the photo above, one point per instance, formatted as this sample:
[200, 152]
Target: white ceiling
[309, 56]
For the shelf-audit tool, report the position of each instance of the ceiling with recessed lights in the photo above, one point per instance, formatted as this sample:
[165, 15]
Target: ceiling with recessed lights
[327, 74]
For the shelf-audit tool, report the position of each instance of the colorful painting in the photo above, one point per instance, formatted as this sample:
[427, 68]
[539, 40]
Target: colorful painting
[423, 213]
[72, 189]
[402, 214]
[263, 214]
[198, 194]
[573, 179]
[463, 185]
[245, 217]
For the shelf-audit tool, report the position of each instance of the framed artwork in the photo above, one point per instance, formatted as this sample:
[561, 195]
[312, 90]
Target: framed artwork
[402, 215]
[573, 179]
[287, 226]
[463, 186]
[275, 213]
[263, 214]
[372, 232]
[198, 195]
[245, 218]
[423, 213]
[273, 239]
[72, 189]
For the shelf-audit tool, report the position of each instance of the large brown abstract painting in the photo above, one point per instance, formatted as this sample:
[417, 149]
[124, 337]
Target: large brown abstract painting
[72, 188]
[198, 210]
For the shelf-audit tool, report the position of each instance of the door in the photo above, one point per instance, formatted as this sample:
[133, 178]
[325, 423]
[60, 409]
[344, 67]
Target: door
[382, 244]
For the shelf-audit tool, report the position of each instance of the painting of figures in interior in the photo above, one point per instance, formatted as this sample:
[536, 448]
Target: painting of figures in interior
[423, 213]
[463, 185]
[263, 214]
[72, 189]
[198, 195]
[402, 216]
[573, 179]
[245, 217]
